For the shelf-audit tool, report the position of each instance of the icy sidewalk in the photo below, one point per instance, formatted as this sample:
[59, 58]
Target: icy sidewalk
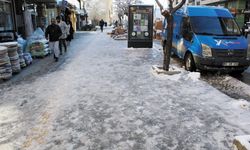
[106, 97]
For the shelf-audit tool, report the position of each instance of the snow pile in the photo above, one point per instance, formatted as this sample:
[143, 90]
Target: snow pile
[194, 76]
[240, 87]
[242, 142]
[175, 74]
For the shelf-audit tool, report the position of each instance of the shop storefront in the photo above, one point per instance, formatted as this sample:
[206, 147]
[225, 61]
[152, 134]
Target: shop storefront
[7, 21]
[237, 8]
[34, 13]
[68, 11]
[247, 12]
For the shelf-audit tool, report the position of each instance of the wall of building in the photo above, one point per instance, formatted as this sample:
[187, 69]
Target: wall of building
[236, 7]
[7, 20]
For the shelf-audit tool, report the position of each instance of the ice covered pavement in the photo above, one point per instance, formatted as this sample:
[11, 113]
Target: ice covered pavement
[105, 96]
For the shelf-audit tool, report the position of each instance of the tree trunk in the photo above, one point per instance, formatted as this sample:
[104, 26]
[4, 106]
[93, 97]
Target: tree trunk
[170, 21]
[168, 47]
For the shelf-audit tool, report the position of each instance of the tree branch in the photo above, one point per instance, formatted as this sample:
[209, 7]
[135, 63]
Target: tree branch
[159, 4]
[178, 6]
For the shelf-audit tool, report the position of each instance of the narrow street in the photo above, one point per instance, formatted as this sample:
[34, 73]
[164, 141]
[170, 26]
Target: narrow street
[103, 95]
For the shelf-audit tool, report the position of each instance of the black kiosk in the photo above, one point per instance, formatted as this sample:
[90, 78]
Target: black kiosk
[140, 26]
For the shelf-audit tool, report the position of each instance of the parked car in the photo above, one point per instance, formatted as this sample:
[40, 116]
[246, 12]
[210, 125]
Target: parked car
[88, 26]
[208, 38]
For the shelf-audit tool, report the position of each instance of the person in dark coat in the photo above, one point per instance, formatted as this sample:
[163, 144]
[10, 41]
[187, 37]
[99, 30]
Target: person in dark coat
[101, 24]
[70, 31]
[53, 33]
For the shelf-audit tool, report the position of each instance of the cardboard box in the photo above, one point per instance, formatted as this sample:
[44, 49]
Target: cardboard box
[158, 25]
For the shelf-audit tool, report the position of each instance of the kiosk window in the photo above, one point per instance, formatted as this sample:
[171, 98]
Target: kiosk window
[140, 25]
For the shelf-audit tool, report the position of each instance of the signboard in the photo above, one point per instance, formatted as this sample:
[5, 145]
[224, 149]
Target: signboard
[140, 26]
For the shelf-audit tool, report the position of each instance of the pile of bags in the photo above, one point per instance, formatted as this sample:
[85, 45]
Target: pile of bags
[5, 65]
[38, 46]
[28, 59]
[21, 58]
[119, 33]
[25, 58]
[13, 56]
[158, 29]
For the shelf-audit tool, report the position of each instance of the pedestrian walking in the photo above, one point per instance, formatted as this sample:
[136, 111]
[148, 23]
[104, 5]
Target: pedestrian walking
[116, 23]
[70, 32]
[53, 32]
[101, 24]
[62, 39]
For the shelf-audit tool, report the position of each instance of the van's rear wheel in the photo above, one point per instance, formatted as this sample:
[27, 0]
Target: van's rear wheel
[189, 63]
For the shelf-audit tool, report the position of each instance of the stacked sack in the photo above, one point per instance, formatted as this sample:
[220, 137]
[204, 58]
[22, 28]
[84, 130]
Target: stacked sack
[13, 55]
[5, 65]
[28, 59]
[38, 49]
[46, 46]
[37, 44]
[21, 58]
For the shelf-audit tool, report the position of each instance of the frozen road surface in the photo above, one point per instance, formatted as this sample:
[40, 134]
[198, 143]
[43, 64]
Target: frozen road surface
[106, 97]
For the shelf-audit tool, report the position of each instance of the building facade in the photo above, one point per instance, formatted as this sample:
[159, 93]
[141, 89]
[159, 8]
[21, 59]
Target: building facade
[239, 8]
[24, 16]
[31, 14]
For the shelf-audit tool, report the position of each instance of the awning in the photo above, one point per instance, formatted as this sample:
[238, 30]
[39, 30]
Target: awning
[40, 1]
[66, 3]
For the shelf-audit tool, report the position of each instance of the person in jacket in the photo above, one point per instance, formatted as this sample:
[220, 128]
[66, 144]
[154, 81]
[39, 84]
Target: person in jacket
[62, 39]
[101, 24]
[70, 31]
[52, 33]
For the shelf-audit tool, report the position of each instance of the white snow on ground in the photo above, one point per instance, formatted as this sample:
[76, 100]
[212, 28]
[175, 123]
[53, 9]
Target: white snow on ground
[106, 97]
[241, 104]
[238, 87]
[178, 77]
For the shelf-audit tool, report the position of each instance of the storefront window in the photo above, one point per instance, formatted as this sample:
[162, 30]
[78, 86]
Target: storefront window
[6, 19]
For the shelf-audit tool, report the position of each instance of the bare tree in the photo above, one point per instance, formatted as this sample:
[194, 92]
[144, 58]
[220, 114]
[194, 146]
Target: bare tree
[168, 14]
[96, 10]
[121, 7]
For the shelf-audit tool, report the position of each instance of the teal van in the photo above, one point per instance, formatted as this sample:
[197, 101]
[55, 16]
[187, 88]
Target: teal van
[208, 38]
